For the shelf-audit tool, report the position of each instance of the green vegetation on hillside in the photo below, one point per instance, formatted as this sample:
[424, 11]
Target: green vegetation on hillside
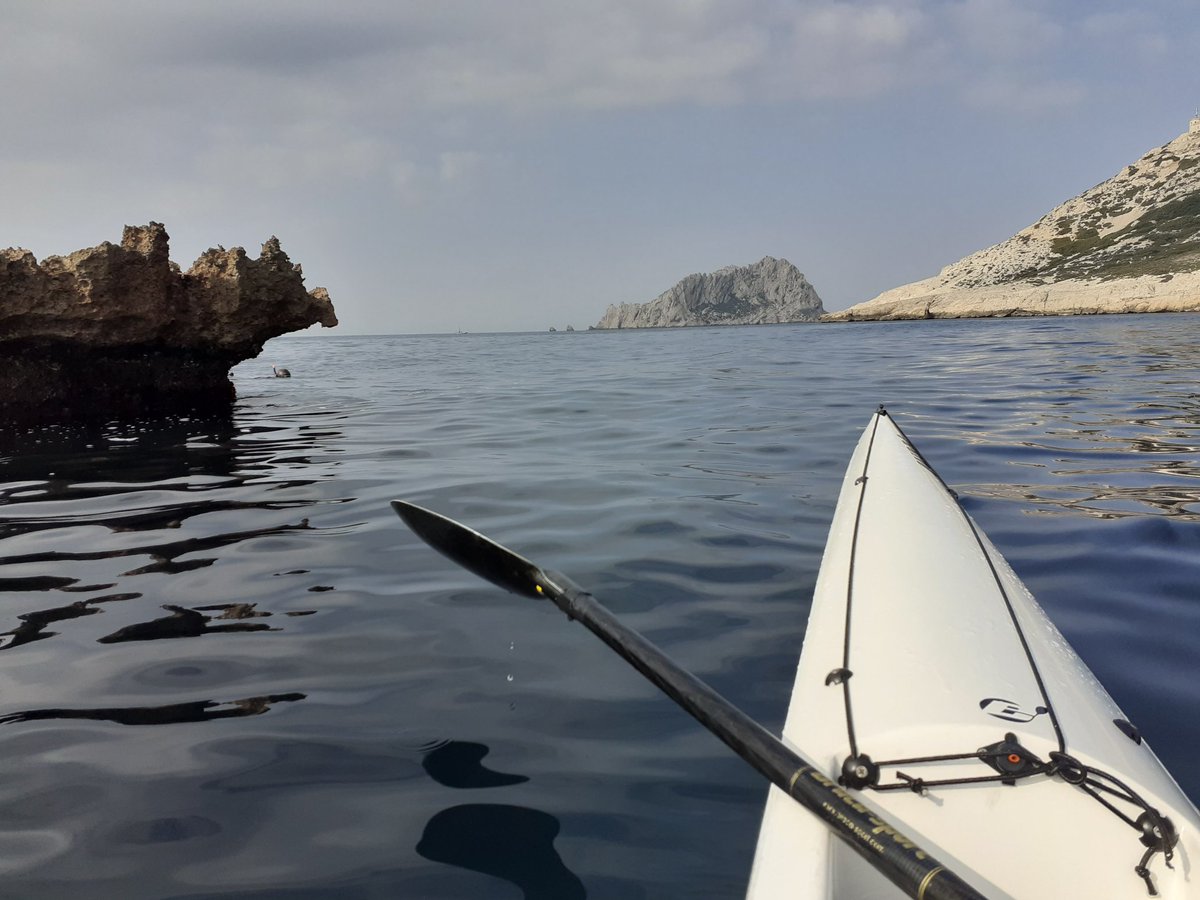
[1163, 241]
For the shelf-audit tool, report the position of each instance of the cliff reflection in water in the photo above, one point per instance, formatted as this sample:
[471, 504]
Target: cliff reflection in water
[171, 714]
[79, 503]
[184, 623]
[117, 516]
[1109, 467]
[1099, 418]
[165, 556]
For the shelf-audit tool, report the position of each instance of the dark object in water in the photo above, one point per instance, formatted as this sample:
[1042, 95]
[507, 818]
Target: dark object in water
[512, 843]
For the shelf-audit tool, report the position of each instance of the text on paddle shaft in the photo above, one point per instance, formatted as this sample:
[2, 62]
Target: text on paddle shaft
[878, 828]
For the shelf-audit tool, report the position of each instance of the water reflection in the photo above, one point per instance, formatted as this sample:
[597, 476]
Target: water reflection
[38, 583]
[1108, 466]
[160, 447]
[1099, 501]
[130, 515]
[33, 625]
[271, 764]
[185, 623]
[513, 843]
[179, 454]
[164, 554]
[171, 714]
[1108, 431]
[714, 493]
[165, 490]
[166, 830]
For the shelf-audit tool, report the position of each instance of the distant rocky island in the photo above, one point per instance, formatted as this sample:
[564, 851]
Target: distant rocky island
[119, 329]
[1130, 244]
[769, 291]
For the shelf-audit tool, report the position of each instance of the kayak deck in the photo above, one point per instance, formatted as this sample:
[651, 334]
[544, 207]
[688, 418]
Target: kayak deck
[967, 714]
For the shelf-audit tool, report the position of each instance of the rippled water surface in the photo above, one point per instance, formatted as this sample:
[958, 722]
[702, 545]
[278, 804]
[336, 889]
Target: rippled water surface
[228, 670]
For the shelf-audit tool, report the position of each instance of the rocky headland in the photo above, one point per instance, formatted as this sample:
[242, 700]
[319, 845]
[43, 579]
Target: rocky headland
[1130, 244]
[120, 329]
[769, 291]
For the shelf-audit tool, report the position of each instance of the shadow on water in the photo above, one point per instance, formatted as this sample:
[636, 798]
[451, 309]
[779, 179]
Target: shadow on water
[513, 843]
[509, 842]
[458, 764]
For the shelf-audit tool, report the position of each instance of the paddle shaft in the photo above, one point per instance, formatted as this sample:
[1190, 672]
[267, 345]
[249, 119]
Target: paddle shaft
[884, 847]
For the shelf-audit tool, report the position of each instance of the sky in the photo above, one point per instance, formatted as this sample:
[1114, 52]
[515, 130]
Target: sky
[520, 165]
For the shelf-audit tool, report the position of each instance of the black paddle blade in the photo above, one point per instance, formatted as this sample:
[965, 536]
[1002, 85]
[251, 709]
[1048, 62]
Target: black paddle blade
[473, 551]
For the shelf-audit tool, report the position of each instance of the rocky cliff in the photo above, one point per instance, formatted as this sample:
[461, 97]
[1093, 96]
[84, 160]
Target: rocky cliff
[766, 292]
[1130, 244]
[115, 329]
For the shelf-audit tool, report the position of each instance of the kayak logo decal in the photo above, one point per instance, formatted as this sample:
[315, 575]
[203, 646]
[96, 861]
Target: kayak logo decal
[1009, 711]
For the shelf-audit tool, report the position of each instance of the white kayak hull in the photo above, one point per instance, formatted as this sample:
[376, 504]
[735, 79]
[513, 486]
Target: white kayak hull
[921, 643]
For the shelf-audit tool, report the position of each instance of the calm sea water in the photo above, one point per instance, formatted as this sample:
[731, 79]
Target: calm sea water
[228, 670]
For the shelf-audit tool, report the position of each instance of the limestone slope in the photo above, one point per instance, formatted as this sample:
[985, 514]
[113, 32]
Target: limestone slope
[1129, 244]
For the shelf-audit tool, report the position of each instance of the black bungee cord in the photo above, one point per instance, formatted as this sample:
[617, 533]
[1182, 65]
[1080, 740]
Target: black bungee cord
[1008, 758]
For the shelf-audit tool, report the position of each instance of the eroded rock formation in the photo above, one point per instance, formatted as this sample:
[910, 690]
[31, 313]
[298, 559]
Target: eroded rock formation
[119, 329]
[769, 291]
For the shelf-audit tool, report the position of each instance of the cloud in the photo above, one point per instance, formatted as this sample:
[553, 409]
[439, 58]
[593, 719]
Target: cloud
[182, 67]
[630, 54]
[223, 101]
[1012, 94]
[845, 50]
[226, 114]
[1014, 57]
[297, 155]
[1137, 32]
[414, 57]
[1005, 30]
[458, 166]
